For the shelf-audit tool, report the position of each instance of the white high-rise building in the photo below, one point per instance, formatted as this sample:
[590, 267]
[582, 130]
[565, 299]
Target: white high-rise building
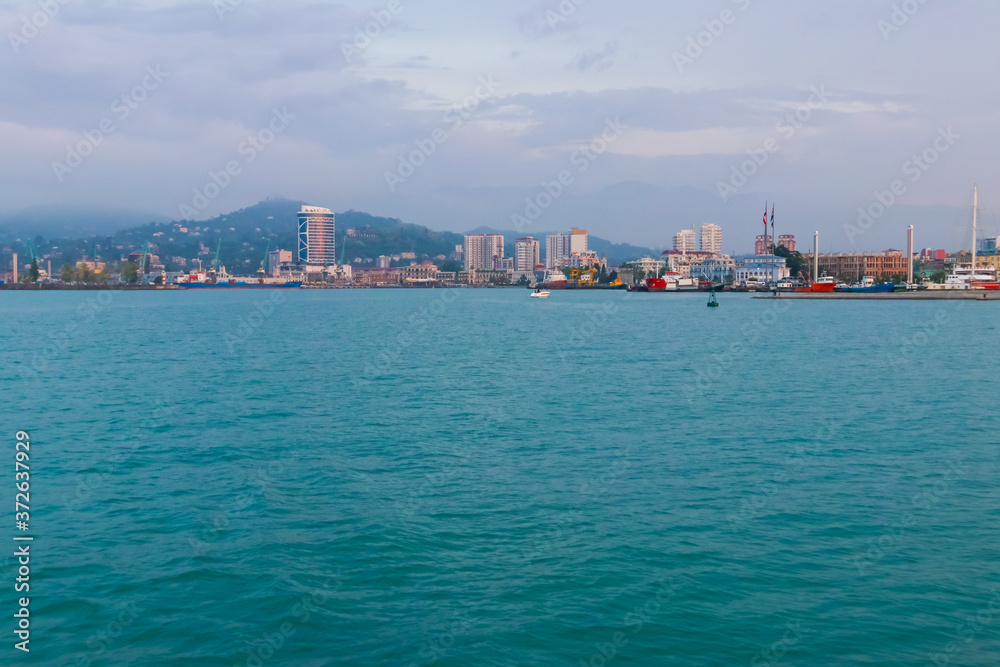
[317, 237]
[483, 252]
[711, 239]
[578, 241]
[557, 249]
[526, 254]
[686, 241]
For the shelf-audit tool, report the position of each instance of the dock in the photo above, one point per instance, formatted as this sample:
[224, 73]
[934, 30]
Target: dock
[925, 295]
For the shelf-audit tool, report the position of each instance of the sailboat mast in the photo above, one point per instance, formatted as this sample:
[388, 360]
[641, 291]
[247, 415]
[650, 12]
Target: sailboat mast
[975, 221]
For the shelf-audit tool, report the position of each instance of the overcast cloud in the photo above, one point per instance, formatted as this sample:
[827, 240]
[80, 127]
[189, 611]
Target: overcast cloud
[515, 90]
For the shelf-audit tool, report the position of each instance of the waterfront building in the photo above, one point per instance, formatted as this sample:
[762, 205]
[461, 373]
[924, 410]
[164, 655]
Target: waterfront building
[768, 269]
[483, 251]
[587, 259]
[384, 262]
[419, 272]
[686, 241]
[578, 241]
[787, 240]
[557, 249]
[717, 269]
[648, 266]
[526, 254]
[276, 259]
[317, 237]
[763, 244]
[484, 276]
[851, 267]
[991, 260]
[376, 277]
[988, 246]
[711, 239]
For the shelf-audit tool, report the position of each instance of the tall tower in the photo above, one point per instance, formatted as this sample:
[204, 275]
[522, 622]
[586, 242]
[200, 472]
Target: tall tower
[317, 237]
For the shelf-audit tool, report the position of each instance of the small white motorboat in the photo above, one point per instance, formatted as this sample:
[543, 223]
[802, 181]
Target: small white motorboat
[540, 294]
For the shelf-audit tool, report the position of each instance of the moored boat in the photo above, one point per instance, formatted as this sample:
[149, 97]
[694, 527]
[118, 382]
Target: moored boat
[656, 285]
[866, 286]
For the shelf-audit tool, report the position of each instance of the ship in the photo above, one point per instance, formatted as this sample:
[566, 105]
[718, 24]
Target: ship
[824, 284]
[866, 286]
[656, 285]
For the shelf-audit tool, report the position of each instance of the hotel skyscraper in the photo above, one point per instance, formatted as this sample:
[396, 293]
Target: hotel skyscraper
[317, 237]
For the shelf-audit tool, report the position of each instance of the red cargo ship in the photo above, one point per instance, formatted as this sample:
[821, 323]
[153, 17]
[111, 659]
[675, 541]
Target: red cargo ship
[656, 285]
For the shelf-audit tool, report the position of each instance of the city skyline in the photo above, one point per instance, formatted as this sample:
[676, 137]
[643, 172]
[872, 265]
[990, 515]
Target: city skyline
[160, 119]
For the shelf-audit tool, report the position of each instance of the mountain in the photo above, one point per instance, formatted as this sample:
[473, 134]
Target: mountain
[61, 222]
[242, 237]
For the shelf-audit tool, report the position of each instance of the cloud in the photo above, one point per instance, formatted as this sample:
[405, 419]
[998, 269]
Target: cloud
[596, 60]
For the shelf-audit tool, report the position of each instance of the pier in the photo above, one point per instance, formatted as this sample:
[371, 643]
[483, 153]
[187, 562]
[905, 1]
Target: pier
[926, 295]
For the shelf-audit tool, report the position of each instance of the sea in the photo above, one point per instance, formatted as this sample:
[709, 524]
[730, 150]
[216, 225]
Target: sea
[474, 477]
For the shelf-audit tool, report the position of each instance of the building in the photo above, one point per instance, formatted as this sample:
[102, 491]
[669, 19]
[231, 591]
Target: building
[763, 245]
[317, 237]
[767, 269]
[988, 246]
[787, 240]
[384, 262]
[483, 252]
[686, 241]
[851, 267]
[718, 269]
[711, 239]
[578, 241]
[587, 259]
[557, 250]
[277, 258]
[648, 266]
[375, 277]
[526, 254]
[484, 277]
[990, 261]
[930, 254]
[419, 272]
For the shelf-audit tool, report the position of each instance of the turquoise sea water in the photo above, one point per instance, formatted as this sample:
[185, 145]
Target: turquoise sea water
[473, 477]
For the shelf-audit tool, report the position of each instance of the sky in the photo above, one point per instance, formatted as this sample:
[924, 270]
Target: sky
[635, 118]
